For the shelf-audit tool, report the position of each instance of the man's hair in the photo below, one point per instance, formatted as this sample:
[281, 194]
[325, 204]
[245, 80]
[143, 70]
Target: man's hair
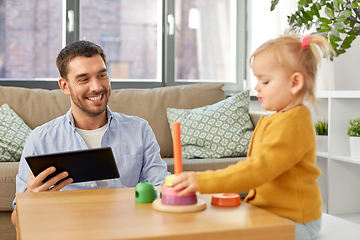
[79, 48]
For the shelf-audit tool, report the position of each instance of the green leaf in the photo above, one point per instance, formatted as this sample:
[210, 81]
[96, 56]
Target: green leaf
[341, 30]
[352, 5]
[340, 1]
[325, 20]
[330, 5]
[307, 15]
[334, 44]
[273, 4]
[338, 25]
[334, 32]
[345, 13]
[329, 12]
[334, 38]
[318, 6]
[322, 2]
[340, 51]
[345, 45]
[325, 26]
[336, 6]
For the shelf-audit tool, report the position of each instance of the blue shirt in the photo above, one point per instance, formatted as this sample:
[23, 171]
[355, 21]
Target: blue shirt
[136, 151]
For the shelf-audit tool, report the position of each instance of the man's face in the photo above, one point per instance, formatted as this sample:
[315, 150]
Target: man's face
[88, 85]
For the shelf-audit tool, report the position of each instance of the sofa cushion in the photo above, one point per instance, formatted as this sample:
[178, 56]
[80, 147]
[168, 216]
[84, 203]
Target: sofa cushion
[8, 171]
[151, 104]
[220, 130]
[13, 134]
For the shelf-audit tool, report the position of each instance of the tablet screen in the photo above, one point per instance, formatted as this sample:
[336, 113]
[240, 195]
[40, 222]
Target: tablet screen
[82, 165]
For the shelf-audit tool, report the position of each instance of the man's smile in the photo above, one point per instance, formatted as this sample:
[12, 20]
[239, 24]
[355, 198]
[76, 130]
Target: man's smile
[96, 98]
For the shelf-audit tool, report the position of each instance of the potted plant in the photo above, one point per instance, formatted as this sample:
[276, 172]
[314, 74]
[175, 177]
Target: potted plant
[354, 134]
[340, 24]
[321, 129]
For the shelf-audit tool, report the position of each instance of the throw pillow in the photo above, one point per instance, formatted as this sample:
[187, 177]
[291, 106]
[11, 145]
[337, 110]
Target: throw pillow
[13, 134]
[220, 130]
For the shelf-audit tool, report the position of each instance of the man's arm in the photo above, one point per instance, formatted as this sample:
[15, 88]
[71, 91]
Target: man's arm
[154, 168]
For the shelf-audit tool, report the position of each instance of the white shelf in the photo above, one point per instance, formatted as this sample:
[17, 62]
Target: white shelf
[322, 154]
[346, 159]
[340, 172]
[338, 94]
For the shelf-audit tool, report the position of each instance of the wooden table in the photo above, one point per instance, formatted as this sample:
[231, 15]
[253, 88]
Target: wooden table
[113, 214]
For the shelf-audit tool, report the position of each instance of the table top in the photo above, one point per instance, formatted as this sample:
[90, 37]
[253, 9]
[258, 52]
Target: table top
[113, 214]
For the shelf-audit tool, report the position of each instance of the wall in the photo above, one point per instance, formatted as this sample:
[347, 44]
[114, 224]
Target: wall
[346, 68]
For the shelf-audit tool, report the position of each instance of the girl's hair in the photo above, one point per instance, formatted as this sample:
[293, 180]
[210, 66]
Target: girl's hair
[290, 54]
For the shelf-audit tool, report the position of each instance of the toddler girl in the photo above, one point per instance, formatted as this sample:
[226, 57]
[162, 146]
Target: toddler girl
[280, 171]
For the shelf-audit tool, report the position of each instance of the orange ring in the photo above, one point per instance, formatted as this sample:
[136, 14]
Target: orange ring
[226, 199]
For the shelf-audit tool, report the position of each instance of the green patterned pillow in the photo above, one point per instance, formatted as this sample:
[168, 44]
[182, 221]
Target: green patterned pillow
[220, 130]
[13, 134]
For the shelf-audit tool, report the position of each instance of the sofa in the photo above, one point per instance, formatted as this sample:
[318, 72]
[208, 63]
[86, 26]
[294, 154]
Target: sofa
[38, 106]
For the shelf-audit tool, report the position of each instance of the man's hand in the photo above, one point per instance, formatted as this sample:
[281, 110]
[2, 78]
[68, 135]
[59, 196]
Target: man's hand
[185, 181]
[35, 184]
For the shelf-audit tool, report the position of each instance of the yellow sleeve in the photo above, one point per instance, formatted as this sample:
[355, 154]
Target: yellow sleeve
[283, 145]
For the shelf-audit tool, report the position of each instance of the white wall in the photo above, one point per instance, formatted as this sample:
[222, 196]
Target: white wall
[347, 67]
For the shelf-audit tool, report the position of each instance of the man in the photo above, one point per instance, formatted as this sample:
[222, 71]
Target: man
[91, 124]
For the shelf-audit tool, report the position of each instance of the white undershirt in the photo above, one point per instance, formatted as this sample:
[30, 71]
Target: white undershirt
[92, 139]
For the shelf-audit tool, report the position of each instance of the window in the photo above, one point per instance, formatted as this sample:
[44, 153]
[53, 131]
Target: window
[148, 43]
[30, 38]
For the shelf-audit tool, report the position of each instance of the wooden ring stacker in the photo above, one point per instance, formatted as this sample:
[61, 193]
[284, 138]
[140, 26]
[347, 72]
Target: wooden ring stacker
[226, 199]
[169, 193]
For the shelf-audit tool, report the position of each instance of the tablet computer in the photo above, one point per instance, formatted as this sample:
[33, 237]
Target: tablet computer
[82, 165]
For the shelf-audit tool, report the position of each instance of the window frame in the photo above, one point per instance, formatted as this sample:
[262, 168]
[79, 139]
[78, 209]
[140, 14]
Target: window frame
[167, 56]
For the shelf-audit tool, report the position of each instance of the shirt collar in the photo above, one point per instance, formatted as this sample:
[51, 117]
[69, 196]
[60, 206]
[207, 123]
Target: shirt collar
[70, 118]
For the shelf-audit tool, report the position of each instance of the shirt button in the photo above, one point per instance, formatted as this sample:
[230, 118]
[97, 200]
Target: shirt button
[92, 185]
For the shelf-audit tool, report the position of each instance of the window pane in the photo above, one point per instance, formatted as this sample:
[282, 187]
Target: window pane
[30, 38]
[128, 33]
[204, 40]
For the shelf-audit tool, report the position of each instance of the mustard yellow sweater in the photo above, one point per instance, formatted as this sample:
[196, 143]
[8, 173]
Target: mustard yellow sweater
[280, 169]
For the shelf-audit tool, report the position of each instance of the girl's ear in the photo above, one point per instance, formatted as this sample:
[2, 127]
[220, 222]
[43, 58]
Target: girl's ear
[63, 84]
[297, 83]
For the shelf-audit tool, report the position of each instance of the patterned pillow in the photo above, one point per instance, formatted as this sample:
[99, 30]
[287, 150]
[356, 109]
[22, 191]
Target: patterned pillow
[13, 134]
[220, 130]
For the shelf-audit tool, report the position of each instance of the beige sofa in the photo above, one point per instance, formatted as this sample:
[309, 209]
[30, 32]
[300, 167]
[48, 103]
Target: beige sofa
[37, 106]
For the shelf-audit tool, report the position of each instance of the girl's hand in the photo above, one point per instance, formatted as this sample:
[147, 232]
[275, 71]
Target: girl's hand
[185, 181]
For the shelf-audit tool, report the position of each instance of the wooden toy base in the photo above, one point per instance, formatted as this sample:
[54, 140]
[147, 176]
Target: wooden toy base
[159, 206]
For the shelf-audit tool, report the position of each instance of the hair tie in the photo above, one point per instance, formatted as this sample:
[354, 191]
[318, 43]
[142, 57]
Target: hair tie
[305, 42]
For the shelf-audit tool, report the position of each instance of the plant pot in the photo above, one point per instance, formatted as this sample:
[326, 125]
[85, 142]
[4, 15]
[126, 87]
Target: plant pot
[321, 143]
[355, 147]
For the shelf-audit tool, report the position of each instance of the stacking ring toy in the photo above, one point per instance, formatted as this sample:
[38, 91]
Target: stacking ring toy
[226, 199]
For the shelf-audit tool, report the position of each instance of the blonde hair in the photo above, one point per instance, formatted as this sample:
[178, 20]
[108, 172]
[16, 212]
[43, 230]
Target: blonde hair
[289, 53]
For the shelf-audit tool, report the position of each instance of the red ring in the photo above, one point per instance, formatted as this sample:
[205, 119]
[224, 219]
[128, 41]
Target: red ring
[226, 199]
